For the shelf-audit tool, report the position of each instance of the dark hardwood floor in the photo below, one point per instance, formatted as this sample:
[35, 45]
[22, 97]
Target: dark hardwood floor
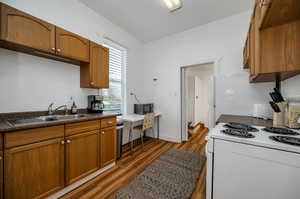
[114, 179]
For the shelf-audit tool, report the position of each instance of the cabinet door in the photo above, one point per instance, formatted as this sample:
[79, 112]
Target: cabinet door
[1, 174]
[108, 146]
[293, 46]
[35, 170]
[82, 155]
[96, 73]
[72, 46]
[99, 65]
[20, 28]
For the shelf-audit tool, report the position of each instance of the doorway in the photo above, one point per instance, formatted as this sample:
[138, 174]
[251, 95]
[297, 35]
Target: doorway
[197, 98]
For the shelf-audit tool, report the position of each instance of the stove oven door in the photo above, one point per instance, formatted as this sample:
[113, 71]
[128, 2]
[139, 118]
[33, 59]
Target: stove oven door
[209, 166]
[244, 171]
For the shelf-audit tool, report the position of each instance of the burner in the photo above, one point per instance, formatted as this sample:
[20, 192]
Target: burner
[238, 133]
[234, 125]
[281, 131]
[286, 140]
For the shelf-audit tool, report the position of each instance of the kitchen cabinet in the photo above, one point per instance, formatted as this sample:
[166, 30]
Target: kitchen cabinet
[108, 145]
[71, 45]
[23, 29]
[34, 170]
[24, 33]
[95, 74]
[41, 161]
[82, 155]
[274, 39]
[1, 174]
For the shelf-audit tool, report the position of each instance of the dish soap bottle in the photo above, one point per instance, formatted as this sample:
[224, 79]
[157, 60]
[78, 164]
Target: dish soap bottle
[74, 108]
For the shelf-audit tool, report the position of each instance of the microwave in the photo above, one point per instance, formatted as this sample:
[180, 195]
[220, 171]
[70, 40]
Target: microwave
[142, 109]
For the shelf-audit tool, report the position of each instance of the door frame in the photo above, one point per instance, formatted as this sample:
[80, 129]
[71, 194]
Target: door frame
[183, 108]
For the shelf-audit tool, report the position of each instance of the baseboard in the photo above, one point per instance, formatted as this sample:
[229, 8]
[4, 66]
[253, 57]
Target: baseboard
[170, 139]
[80, 182]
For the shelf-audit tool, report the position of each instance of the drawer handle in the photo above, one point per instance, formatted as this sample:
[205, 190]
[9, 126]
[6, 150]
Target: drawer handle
[53, 49]
[58, 50]
[68, 141]
[62, 142]
[103, 132]
[110, 122]
[0, 157]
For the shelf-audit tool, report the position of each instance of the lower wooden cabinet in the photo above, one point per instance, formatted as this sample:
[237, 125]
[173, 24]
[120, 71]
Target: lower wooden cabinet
[34, 170]
[82, 155]
[1, 174]
[108, 146]
[40, 162]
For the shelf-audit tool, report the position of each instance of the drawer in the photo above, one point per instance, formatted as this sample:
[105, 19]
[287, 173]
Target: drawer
[24, 137]
[108, 122]
[75, 128]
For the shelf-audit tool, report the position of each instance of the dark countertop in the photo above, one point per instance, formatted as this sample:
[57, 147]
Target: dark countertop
[5, 127]
[245, 120]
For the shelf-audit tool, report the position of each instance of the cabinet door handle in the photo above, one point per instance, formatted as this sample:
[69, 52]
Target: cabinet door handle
[0, 157]
[110, 122]
[68, 141]
[92, 83]
[62, 142]
[103, 132]
[53, 49]
[58, 50]
[263, 3]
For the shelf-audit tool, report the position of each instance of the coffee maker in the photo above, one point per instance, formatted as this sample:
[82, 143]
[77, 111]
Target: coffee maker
[95, 104]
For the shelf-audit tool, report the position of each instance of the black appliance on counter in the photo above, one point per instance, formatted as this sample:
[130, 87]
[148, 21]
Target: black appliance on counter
[95, 104]
[143, 109]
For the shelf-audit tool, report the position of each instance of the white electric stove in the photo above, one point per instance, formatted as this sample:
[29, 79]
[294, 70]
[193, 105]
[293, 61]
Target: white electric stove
[253, 163]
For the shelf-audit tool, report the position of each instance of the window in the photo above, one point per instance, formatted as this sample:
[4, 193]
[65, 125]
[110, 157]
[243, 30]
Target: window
[114, 97]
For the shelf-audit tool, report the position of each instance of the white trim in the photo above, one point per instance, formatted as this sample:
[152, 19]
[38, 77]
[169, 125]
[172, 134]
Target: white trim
[80, 182]
[216, 63]
[170, 139]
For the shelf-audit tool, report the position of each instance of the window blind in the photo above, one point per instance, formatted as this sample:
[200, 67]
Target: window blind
[113, 97]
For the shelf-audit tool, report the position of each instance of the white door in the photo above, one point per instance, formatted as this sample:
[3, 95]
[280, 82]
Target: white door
[197, 111]
[211, 103]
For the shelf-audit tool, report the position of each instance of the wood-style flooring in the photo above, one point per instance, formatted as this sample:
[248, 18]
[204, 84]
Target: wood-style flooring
[114, 179]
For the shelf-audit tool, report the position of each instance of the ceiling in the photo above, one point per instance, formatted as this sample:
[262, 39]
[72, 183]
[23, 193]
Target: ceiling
[149, 20]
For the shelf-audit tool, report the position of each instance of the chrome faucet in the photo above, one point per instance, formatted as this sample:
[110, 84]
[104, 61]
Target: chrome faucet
[52, 112]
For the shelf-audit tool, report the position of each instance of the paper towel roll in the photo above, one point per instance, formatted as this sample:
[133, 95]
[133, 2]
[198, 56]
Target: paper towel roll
[262, 111]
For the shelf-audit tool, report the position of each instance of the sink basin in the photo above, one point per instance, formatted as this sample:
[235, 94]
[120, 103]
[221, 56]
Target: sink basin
[61, 117]
[41, 119]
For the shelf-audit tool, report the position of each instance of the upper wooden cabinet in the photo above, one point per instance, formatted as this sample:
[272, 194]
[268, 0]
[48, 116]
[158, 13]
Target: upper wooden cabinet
[82, 155]
[34, 170]
[96, 73]
[71, 45]
[274, 41]
[24, 33]
[23, 29]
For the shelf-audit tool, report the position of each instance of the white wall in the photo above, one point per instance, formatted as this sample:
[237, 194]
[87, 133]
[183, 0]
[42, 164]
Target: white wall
[222, 40]
[29, 83]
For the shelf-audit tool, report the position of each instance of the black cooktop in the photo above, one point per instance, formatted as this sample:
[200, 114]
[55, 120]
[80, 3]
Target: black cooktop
[239, 126]
[286, 140]
[281, 131]
[238, 133]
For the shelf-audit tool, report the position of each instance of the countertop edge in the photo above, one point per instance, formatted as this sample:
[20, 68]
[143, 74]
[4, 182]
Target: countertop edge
[6, 128]
[249, 120]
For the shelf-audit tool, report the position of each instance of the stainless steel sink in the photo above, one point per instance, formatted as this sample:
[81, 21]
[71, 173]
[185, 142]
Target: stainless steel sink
[43, 119]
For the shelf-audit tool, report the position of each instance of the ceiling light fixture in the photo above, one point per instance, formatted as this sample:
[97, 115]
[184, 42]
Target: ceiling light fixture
[173, 4]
